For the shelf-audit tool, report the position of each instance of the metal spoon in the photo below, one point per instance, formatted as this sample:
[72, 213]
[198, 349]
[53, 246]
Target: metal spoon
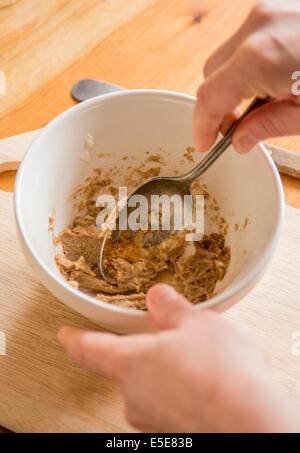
[86, 89]
[179, 185]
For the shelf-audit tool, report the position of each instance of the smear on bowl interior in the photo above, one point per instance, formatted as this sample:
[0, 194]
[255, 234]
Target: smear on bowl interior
[193, 269]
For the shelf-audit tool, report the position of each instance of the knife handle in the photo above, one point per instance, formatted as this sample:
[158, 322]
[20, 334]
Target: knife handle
[287, 162]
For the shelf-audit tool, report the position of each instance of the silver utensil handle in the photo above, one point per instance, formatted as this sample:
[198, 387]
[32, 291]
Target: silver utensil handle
[287, 162]
[89, 88]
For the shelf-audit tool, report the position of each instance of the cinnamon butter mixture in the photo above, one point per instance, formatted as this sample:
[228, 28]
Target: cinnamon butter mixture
[192, 268]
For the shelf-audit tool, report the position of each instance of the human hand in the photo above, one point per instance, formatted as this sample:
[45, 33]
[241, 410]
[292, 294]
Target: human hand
[258, 60]
[199, 374]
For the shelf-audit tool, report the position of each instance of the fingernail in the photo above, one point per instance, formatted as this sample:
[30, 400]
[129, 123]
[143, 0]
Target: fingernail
[164, 293]
[200, 148]
[245, 143]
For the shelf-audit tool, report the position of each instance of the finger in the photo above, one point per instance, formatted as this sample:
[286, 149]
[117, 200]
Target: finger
[168, 308]
[229, 120]
[99, 352]
[226, 50]
[276, 119]
[217, 96]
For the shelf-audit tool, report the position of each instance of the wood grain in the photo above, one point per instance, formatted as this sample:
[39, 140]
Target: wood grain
[48, 46]
[7, 181]
[39, 40]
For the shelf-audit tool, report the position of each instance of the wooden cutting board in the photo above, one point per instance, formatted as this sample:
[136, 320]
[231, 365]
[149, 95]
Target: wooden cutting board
[43, 390]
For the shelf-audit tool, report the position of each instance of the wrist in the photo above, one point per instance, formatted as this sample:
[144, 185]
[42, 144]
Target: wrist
[269, 409]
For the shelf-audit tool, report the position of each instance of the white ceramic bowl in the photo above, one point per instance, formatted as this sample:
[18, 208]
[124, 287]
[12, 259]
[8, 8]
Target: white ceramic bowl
[135, 122]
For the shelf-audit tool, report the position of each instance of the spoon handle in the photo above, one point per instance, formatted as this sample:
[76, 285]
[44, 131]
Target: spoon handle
[222, 145]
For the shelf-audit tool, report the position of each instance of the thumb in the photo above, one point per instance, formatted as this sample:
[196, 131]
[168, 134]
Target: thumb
[167, 307]
[276, 119]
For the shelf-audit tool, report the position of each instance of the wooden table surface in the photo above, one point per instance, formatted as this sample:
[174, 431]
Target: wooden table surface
[47, 46]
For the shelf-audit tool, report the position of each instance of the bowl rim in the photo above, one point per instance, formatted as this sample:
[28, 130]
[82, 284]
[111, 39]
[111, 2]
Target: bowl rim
[228, 294]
